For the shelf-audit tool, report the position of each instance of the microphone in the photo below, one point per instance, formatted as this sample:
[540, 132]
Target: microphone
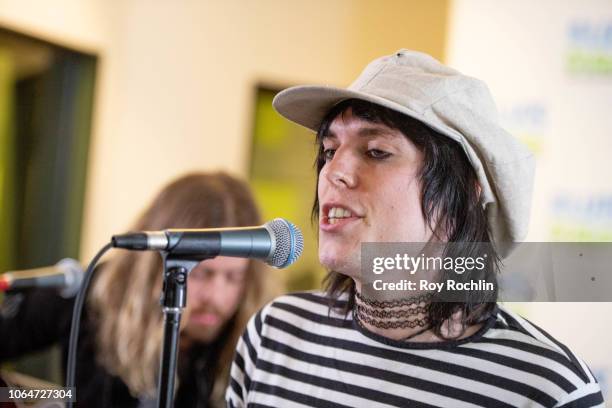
[67, 275]
[278, 242]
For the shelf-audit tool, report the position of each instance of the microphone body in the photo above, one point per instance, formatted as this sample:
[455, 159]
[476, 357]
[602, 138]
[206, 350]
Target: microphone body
[278, 242]
[66, 275]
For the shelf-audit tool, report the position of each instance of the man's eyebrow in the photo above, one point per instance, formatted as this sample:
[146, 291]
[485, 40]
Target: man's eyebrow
[372, 131]
[366, 131]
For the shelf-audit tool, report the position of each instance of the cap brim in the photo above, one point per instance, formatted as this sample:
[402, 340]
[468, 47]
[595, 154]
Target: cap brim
[307, 105]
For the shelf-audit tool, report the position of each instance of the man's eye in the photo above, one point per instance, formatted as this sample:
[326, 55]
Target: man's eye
[328, 154]
[234, 277]
[200, 273]
[378, 154]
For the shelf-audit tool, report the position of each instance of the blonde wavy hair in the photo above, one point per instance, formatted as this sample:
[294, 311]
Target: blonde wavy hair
[124, 298]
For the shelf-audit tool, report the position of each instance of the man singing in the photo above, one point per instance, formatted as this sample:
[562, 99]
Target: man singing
[410, 152]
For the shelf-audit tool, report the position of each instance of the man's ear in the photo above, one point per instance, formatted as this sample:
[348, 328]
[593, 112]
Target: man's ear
[478, 189]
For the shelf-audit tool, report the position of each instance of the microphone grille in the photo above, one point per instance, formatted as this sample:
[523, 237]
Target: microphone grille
[289, 243]
[73, 273]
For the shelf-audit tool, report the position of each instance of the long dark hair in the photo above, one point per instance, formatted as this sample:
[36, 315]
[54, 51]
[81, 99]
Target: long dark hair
[450, 202]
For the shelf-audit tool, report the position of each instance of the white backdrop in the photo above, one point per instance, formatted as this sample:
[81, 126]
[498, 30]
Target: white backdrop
[548, 64]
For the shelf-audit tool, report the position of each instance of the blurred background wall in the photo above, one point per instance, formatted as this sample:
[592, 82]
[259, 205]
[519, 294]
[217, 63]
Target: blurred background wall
[549, 67]
[178, 83]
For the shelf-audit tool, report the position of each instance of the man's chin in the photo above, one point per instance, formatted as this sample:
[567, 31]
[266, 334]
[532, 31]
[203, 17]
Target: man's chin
[343, 265]
[202, 334]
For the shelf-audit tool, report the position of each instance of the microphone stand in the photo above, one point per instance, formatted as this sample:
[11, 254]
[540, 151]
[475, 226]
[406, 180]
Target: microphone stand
[173, 300]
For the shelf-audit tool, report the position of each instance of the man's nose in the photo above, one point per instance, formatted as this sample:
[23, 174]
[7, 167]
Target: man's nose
[204, 290]
[343, 169]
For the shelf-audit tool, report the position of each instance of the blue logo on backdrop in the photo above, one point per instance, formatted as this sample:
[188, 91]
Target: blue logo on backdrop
[577, 217]
[527, 120]
[589, 48]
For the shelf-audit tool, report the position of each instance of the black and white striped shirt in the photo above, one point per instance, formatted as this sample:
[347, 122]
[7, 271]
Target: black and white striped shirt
[296, 352]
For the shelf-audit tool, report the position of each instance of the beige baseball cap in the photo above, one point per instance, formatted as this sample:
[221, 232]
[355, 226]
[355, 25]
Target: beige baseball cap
[453, 104]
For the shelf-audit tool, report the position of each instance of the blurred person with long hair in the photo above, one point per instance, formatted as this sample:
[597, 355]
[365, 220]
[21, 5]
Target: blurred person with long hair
[121, 334]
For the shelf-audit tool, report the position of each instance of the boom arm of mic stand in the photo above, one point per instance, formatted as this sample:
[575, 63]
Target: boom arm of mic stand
[173, 300]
